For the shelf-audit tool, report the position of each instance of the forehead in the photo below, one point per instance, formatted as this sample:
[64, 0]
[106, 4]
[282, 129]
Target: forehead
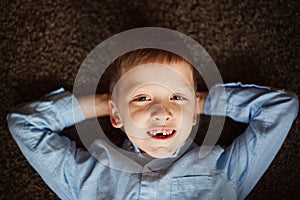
[182, 71]
[173, 76]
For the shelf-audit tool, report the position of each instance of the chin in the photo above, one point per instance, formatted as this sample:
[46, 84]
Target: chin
[160, 154]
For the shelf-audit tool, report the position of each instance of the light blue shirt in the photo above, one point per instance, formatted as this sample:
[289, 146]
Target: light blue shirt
[230, 173]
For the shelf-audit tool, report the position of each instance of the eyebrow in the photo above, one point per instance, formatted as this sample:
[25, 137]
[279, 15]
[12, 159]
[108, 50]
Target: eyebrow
[184, 88]
[181, 89]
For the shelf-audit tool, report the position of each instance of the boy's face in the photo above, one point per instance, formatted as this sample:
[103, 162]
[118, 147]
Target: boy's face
[156, 104]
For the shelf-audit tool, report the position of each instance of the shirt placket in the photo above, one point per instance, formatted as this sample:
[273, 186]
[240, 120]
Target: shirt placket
[149, 185]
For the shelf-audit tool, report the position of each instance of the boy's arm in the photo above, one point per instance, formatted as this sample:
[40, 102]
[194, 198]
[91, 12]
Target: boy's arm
[94, 105]
[270, 115]
[36, 127]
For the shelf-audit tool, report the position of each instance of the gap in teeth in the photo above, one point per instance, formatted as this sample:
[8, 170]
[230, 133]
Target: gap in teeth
[166, 132]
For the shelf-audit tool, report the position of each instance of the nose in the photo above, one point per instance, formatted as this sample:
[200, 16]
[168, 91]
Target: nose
[159, 113]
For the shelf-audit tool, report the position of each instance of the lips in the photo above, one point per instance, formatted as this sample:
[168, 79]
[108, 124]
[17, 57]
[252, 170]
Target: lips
[161, 133]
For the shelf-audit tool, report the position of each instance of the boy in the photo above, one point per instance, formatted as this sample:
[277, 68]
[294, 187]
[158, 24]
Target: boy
[153, 97]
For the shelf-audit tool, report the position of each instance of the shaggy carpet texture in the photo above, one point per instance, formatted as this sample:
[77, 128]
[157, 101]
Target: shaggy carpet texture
[43, 44]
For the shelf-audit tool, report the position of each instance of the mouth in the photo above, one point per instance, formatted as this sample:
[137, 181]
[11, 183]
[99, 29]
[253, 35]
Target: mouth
[161, 133]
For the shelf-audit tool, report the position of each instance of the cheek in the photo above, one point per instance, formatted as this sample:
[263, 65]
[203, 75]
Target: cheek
[139, 117]
[186, 122]
[188, 114]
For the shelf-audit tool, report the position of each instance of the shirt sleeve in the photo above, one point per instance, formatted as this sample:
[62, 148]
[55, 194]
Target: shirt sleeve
[269, 115]
[36, 127]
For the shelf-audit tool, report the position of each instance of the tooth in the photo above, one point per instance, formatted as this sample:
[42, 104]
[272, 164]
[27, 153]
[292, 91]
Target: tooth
[162, 132]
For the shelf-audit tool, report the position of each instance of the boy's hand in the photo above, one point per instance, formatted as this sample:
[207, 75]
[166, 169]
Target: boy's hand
[201, 97]
[94, 105]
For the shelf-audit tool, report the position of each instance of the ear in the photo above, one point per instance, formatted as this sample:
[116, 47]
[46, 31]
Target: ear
[196, 110]
[115, 118]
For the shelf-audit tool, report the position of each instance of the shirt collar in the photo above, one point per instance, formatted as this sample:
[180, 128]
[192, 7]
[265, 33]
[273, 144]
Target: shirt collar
[156, 164]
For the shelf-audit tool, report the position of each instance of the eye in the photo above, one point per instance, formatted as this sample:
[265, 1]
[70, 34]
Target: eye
[177, 98]
[142, 98]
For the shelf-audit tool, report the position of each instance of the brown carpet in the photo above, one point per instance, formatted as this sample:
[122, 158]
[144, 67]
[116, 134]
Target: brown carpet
[44, 42]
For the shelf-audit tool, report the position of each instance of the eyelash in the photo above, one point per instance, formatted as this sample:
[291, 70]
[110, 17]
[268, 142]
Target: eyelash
[140, 99]
[144, 98]
[181, 98]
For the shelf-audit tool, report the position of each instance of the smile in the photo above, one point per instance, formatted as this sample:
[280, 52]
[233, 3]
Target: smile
[161, 133]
